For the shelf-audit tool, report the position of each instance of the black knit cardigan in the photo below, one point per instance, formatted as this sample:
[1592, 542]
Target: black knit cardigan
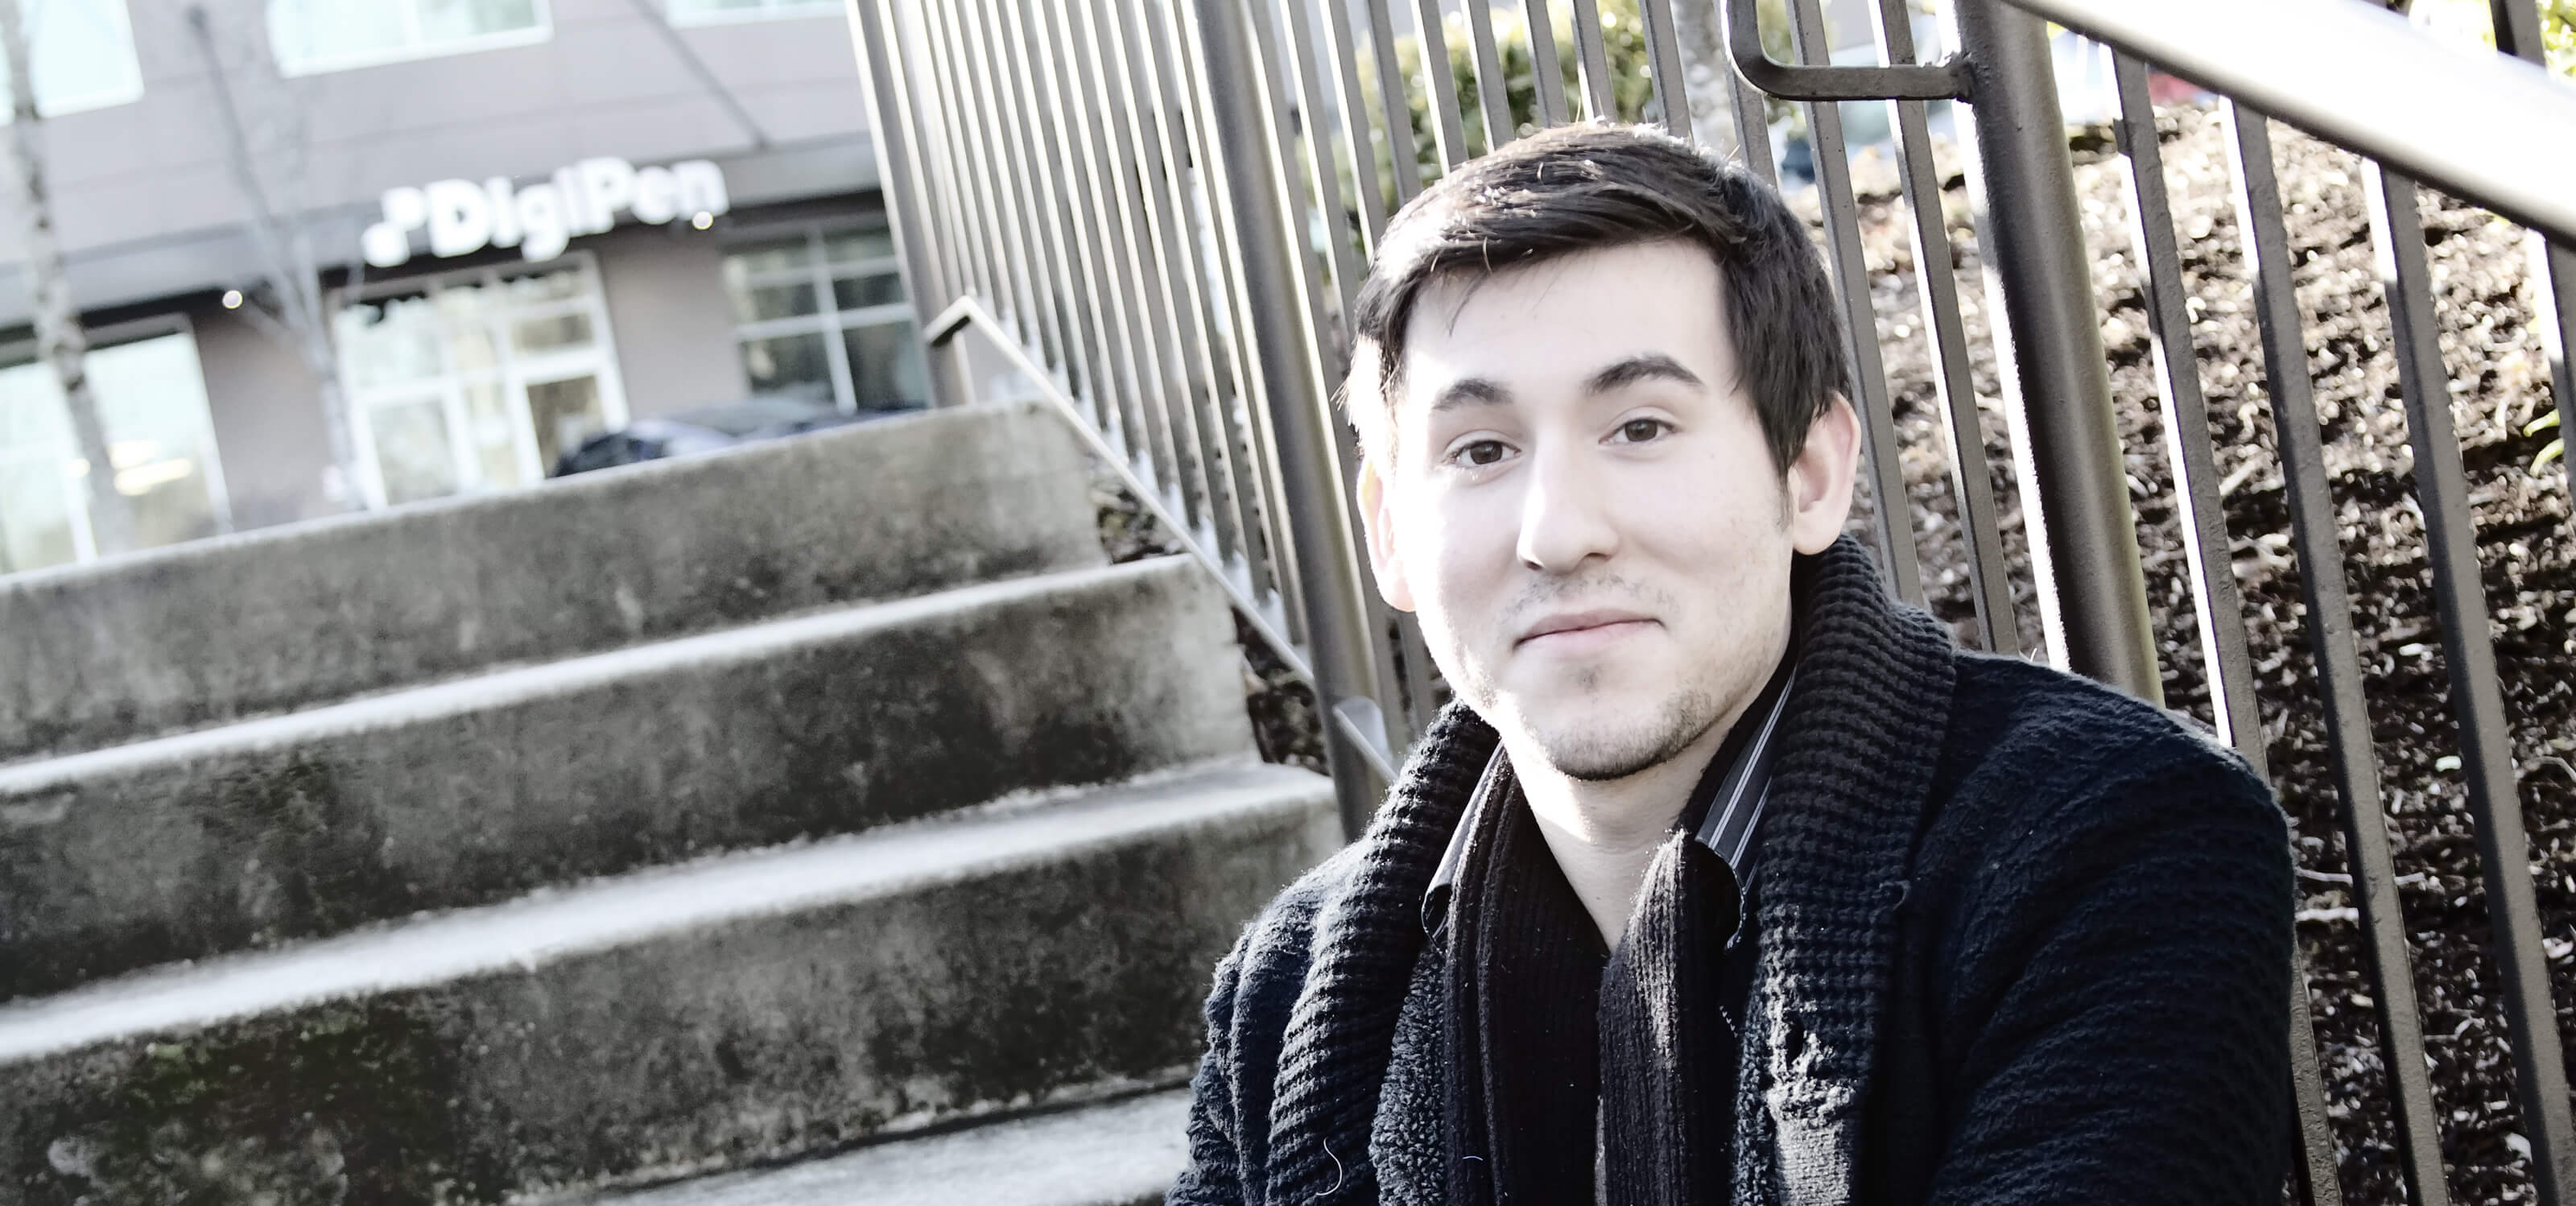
[2024, 940]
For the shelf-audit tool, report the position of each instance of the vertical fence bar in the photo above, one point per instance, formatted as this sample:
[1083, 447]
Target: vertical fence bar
[2312, 1143]
[964, 169]
[1149, 332]
[1340, 249]
[1664, 63]
[908, 45]
[890, 114]
[1391, 726]
[1402, 165]
[1072, 70]
[1140, 121]
[1342, 54]
[1037, 126]
[1752, 113]
[1937, 286]
[1388, 728]
[941, 175]
[1157, 334]
[2074, 487]
[2219, 608]
[1752, 128]
[1067, 308]
[1049, 54]
[1253, 409]
[2477, 701]
[1547, 80]
[1891, 513]
[1438, 86]
[2517, 33]
[1055, 89]
[1012, 289]
[1187, 275]
[1592, 63]
[1256, 180]
[1028, 296]
[2300, 444]
[2556, 312]
[1493, 92]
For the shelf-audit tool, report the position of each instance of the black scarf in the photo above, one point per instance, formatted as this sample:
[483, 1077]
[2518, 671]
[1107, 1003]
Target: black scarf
[1549, 1036]
[1349, 1107]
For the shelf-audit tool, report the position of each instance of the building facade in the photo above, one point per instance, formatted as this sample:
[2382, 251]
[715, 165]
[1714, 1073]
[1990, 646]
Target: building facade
[526, 221]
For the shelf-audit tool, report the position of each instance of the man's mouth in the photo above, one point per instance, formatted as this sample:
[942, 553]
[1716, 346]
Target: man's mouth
[1574, 628]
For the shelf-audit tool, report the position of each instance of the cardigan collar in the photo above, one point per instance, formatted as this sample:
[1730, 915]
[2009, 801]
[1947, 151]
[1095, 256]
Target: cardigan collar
[1859, 746]
[1859, 738]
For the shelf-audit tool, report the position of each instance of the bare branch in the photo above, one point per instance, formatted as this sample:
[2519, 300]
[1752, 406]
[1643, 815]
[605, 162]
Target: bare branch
[60, 342]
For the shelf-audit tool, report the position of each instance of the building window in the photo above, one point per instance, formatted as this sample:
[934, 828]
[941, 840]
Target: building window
[713, 12]
[84, 57]
[311, 36]
[476, 380]
[151, 399]
[823, 317]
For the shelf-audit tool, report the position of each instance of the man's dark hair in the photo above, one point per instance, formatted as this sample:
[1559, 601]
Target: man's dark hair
[1592, 186]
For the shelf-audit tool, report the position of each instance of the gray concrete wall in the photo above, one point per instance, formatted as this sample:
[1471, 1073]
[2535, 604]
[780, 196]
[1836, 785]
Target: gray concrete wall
[267, 417]
[672, 320]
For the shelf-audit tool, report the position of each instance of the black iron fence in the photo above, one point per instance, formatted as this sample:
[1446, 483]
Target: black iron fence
[1155, 213]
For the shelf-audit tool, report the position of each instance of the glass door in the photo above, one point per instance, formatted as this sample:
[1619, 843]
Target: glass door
[476, 380]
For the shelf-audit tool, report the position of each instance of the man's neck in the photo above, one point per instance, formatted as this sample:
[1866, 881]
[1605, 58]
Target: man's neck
[1604, 833]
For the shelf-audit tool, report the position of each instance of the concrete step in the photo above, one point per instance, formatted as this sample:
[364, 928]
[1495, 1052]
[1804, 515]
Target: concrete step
[473, 791]
[1119, 1153]
[210, 632]
[746, 1009]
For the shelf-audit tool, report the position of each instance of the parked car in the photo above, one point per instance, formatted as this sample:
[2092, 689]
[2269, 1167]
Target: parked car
[707, 428]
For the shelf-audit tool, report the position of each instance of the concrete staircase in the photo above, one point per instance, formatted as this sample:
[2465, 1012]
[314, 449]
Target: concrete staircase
[643, 835]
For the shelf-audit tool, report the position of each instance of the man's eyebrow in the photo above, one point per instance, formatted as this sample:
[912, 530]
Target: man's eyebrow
[1471, 391]
[1641, 367]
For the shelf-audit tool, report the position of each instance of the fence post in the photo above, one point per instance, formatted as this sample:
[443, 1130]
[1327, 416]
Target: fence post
[2057, 385]
[1284, 355]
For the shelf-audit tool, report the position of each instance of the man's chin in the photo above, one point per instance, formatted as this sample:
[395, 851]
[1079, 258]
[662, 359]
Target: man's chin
[1606, 753]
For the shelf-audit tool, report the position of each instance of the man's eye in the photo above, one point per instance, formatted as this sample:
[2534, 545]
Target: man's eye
[1480, 452]
[1638, 431]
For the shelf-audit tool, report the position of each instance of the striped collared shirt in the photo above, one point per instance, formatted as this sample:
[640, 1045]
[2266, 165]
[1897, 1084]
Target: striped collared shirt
[1728, 801]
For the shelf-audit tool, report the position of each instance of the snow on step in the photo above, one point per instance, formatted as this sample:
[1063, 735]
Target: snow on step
[1104, 1155]
[557, 924]
[214, 631]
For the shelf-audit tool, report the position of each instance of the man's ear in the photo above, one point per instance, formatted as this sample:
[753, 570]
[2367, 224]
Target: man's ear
[1364, 403]
[1819, 485]
[1379, 523]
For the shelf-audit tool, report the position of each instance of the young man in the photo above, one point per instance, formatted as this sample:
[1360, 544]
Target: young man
[1727, 878]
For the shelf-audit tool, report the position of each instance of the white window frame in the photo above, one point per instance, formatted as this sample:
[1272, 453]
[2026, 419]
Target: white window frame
[542, 31]
[828, 318]
[770, 10]
[514, 372]
[83, 103]
[76, 489]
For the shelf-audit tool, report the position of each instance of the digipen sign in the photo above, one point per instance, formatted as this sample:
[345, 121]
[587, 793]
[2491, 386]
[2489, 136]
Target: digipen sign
[462, 216]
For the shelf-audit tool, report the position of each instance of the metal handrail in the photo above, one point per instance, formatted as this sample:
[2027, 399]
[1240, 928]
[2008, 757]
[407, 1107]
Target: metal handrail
[2444, 127]
[1357, 718]
[1945, 80]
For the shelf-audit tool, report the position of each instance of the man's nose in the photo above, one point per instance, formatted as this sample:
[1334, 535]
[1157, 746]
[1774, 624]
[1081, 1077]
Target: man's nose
[1565, 518]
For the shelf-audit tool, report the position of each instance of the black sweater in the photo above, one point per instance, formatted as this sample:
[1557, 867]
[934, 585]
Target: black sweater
[2024, 940]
